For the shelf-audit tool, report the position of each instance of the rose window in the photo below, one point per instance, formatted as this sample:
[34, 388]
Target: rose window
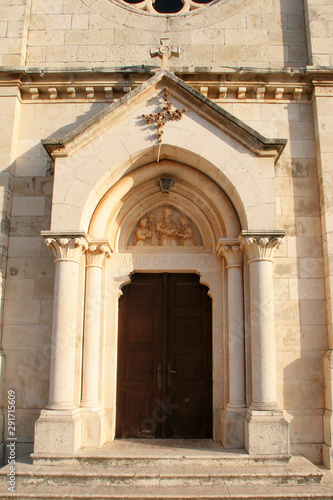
[167, 6]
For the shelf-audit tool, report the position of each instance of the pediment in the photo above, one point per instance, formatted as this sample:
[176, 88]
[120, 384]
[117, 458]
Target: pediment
[203, 107]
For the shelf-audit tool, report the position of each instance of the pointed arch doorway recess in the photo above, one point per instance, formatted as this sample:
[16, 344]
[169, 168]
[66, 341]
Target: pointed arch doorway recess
[164, 382]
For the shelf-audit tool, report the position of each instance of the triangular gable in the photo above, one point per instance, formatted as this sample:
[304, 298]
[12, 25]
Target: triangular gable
[203, 106]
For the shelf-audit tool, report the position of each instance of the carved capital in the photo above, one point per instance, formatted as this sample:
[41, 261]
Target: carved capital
[96, 253]
[231, 253]
[69, 247]
[261, 246]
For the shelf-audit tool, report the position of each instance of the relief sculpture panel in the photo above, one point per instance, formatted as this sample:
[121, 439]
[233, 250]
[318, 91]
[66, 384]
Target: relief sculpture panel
[165, 227]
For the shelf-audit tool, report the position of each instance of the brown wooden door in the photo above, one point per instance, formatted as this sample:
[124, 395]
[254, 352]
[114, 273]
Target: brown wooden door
[164, 386]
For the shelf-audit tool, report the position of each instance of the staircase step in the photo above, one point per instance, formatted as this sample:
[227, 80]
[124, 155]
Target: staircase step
[299, 471]
[257, 492]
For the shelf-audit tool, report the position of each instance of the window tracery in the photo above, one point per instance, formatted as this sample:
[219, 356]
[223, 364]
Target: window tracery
[167, 6]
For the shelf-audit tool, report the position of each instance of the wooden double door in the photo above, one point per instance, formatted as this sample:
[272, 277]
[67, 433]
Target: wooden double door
[164, 384]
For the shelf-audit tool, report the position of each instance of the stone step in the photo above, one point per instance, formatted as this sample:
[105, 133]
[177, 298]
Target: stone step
[162, 461]
[161, 452]
[244, 492]
[298, 471]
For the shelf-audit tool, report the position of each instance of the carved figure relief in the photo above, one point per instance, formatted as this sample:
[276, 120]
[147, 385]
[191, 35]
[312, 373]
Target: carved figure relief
[165, 227]
[143, 234]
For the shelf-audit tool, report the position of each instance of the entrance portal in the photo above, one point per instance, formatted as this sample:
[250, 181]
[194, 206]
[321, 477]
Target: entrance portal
[164, 387]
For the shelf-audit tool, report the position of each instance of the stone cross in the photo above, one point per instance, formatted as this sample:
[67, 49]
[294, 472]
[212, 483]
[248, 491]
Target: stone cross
[164, 52]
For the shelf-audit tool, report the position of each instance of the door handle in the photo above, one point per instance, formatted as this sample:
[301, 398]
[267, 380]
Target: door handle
[169, 374]
[159, 376]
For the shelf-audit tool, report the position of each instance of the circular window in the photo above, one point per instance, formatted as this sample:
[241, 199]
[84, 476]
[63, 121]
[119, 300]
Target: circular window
[167, 6]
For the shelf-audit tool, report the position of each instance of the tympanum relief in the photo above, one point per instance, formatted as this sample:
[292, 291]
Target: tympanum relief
[165, 227]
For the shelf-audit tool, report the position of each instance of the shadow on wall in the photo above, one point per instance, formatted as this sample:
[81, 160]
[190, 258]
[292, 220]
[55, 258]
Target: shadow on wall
[295, 52]
[301, 331]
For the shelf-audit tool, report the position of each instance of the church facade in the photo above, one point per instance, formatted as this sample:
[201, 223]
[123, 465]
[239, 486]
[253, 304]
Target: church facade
[166, 254]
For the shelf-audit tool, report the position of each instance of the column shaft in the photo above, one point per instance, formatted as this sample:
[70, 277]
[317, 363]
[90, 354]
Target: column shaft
[236, 338]
[90, 379]
[262, 335]
[63, 336]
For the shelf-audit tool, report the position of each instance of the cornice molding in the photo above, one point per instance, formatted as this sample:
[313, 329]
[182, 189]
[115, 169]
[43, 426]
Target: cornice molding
[192, 99]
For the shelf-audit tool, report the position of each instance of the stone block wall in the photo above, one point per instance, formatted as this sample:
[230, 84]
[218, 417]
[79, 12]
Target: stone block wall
[80, 33]
[299, 285]
[14, 27]
[28, 307]
[300, 317]
[319, 27]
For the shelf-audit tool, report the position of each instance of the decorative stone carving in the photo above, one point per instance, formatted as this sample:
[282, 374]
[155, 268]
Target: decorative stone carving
[167, 229]
[185, 233]
[261, 247]
[67, 248]
[159, 228]
[232, 254]
[96, 253]
[143, 234]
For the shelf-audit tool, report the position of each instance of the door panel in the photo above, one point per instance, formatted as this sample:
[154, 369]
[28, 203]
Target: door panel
[139, 347]
[164, 386]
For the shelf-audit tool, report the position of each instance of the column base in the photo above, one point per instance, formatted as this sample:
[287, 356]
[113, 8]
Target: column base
[267, 434]
[327, 452]
[93, 426]
[58, 432]
[232, 425]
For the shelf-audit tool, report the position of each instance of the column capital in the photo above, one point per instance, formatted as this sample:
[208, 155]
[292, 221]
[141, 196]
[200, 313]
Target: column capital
[66, 246]
[97, 250]
[231, 251]
[260, 245]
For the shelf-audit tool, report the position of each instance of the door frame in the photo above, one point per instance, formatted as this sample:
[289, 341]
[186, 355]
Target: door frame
[211, 270]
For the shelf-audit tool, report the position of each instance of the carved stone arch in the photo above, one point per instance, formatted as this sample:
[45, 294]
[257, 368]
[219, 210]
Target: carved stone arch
[193, 193]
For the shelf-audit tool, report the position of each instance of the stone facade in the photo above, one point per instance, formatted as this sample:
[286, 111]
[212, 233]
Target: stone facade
[251, 162]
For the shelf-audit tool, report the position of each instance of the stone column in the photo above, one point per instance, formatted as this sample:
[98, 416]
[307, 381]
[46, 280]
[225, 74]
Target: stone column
[266, 430]
[58, 429]
[93, 415]
[90, 380]
[233, 417]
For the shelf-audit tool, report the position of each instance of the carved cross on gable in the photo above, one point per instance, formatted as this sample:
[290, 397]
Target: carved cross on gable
[164, 52]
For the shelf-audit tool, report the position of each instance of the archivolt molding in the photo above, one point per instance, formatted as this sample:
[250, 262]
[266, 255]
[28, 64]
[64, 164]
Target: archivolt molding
[136, 195]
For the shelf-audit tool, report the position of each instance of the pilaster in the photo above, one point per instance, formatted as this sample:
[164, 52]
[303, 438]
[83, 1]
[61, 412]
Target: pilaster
[323, 120]
[266, 430]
